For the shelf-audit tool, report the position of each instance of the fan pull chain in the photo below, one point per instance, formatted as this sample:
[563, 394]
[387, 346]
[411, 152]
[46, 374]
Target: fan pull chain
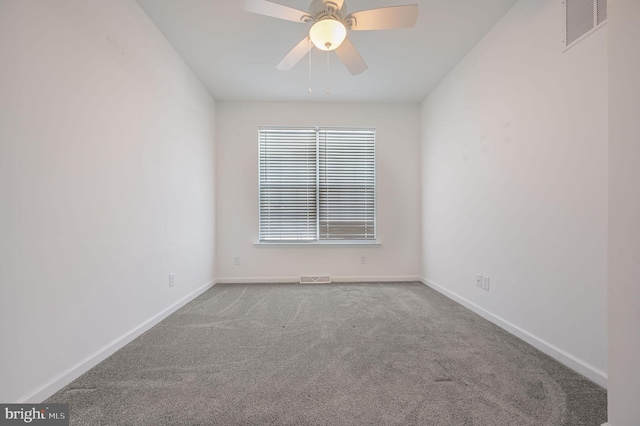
[310, 52]
[328, 80]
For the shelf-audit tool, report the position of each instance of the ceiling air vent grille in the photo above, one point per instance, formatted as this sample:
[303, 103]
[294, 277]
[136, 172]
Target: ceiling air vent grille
[601, 11]
[582, 17]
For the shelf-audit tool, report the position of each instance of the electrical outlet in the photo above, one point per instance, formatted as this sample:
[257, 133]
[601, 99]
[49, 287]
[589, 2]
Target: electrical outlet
[479, 280]
[363, 259]
[236, 260]
[485, 282]
[172, 278]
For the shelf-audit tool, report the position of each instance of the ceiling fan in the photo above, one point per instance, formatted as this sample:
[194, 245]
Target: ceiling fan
[330, 23]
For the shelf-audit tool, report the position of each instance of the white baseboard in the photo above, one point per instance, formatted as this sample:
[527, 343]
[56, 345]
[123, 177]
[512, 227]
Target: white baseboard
[387, 279]
[259, 280]
[61, 380]
[336, 279]
[589, 371]
[607, 424]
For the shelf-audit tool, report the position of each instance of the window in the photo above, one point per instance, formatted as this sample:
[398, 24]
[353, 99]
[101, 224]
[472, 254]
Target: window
[316, 184]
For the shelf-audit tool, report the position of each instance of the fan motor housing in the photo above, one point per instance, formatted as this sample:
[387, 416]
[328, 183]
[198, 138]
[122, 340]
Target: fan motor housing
[326, 9]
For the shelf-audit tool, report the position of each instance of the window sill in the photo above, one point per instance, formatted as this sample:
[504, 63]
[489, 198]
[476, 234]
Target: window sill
[296, 244]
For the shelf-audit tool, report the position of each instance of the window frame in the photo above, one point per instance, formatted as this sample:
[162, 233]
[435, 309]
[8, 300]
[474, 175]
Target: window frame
[373, 241]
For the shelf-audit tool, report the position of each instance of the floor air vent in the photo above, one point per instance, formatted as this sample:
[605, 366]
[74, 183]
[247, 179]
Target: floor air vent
[319, 279]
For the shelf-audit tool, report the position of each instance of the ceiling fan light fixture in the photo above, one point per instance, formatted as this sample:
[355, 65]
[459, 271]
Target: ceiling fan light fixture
[328, 34]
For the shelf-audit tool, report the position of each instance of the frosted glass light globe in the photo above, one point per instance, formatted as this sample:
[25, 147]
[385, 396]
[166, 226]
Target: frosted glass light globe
[328, 34]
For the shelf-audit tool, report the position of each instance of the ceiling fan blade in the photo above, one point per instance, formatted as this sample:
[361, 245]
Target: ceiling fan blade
[275, 10]
[384, 18]
[350, 57]
[294, 56]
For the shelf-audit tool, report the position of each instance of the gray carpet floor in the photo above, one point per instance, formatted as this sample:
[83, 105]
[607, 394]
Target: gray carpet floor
[337, 354]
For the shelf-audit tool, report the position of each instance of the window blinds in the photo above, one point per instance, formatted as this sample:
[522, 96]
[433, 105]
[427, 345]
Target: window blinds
[287, 188]
[316, 184]
[347, 184]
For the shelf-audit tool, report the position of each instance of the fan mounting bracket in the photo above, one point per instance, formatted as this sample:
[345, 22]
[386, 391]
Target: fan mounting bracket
[350, 22]
[331, 6]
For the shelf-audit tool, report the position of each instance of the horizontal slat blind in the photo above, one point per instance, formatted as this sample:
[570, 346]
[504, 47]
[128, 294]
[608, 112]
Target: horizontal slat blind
[316, 184]
[346, 161]
[287, 184]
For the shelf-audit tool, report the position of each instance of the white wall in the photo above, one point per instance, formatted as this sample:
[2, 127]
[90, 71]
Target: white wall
[106, 186]
[624, 212]
[514, 184]
[398, 218]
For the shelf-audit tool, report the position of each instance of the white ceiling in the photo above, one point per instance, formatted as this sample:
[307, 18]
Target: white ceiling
[234, 53]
